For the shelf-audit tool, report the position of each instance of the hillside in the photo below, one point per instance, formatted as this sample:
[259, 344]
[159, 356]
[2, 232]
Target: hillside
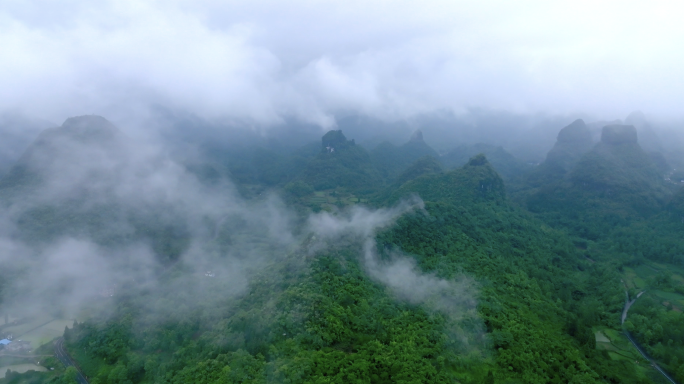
[81, 139]
[86, 179]
[433, 277]
[572, 143]
[475, 182]
[391, 160]
[474, 276]
[503, 162]
[423, 166]
[341, 163]
[612, 184]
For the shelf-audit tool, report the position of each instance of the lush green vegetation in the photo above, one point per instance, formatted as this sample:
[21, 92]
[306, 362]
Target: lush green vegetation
[546, 278]
[341, 163]
[391, 160]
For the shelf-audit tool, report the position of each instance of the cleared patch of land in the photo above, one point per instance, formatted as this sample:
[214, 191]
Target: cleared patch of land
[25, 325]
[21, 368]
[601, 338]
[47, 332]
[619, 348]
[37, 330]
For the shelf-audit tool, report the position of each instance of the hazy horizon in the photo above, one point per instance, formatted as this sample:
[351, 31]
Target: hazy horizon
[261, 64]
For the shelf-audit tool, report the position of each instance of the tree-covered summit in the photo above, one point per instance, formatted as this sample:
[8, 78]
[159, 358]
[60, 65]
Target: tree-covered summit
[572, 142]
[475, 182]
[341, 163]
[335, 139]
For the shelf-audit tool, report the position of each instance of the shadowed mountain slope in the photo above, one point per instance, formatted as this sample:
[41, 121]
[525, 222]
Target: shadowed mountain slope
[423, 166]
[475, 182]
[391, 160]
[503, 162]
[341, 163]
[85, 179]
[612, 183]
[572, 143]
[78, 142]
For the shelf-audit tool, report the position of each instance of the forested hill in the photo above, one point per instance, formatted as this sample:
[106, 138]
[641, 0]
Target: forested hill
[331, 264]
[625, 210]
[475, 182]
[391, 160]
[331, 315]
[503, 162]
[612, 184]
[572, 143]
[341, 163]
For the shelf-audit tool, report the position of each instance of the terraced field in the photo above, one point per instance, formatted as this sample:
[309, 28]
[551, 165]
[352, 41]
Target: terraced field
[642, 277]
[619, 348]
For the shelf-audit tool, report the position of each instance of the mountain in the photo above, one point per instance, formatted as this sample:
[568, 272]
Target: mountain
[76, 144]
[462, 286]
[423, 166]
[503, 162]
[391, 160]
[613, 183]
[17, 133]
[467, 290]
[341, 163]
[475, 182]
[86, 179]
[572, 143]
[648, 139]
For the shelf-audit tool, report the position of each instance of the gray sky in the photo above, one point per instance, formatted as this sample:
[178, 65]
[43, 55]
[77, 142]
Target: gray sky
[260, 60]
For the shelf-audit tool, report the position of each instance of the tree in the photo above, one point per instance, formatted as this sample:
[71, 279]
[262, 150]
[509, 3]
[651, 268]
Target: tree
[490, 378]
[69, 376]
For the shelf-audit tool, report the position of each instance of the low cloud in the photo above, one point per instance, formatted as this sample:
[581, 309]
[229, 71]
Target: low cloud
[456, 297]
[259, 63]
[98, 217]
[359, 221]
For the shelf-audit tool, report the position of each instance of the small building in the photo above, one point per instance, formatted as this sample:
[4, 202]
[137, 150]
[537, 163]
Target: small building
[4, 342]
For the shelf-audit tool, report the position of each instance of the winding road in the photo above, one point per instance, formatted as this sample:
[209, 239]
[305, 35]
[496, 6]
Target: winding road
[64, 357]
[628, 304]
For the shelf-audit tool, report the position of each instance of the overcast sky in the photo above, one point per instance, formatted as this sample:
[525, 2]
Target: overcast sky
[261, 60]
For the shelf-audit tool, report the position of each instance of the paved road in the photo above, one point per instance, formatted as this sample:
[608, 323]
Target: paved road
[64, 357]
[653, 363]
[628, 304]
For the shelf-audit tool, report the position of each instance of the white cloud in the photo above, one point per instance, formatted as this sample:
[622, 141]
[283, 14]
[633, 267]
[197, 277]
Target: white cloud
[263, 60]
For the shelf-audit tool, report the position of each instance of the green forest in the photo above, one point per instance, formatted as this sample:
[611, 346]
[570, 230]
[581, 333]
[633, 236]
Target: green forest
[400, 264]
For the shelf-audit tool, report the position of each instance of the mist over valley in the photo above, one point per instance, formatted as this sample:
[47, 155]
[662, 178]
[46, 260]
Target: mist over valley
[340, 192]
